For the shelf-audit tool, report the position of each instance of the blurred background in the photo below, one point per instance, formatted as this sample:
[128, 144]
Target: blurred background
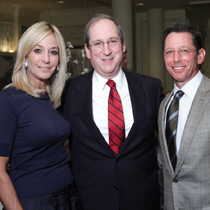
[143, 22]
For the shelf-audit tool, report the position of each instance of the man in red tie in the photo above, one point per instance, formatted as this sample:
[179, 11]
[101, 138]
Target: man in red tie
[113, 116]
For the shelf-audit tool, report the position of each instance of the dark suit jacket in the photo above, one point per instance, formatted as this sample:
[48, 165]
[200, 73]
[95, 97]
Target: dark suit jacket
[106, 182]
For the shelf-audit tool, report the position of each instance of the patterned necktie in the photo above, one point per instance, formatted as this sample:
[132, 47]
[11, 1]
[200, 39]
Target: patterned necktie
[115, 119]
[171, 127]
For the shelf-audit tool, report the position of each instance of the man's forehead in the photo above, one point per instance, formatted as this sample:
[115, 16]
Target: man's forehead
[103, 30]
[179, 37]
[179, 34]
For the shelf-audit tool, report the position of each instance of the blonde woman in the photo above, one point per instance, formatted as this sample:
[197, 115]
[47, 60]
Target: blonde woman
[32, 132]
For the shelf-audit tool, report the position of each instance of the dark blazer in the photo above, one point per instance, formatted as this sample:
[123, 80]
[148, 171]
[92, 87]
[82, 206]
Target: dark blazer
[106, 182]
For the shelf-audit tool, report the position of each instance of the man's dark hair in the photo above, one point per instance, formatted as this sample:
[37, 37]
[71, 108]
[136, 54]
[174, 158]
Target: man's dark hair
[179, 28]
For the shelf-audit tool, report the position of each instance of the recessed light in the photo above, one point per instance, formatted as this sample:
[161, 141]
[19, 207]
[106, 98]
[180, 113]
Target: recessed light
[60, 2]
[140, 4]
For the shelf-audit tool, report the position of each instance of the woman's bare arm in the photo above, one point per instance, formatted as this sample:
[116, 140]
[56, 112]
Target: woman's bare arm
[8, 195]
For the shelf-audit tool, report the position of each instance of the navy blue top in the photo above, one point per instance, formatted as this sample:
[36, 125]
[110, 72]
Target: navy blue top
[32, 134]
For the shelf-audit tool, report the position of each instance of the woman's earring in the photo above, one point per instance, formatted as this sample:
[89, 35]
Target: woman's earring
[26, 65]
[57, 70]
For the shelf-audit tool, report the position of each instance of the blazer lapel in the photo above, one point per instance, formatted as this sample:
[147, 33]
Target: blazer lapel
[137, 102]
[196, 112]
[85, 108]
[162, 121]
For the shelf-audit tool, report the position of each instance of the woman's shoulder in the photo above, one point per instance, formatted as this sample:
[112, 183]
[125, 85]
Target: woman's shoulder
[11, 93]
[9, 90]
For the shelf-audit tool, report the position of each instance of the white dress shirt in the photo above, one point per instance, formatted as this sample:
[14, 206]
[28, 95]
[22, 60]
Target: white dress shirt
[189, 89]
[100, 95]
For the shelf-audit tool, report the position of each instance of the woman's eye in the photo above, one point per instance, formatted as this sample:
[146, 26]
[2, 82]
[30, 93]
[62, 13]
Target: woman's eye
[37, 50]
[54, 52]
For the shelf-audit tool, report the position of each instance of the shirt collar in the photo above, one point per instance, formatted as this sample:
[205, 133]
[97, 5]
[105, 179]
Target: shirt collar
[190, 88]
[100, 81]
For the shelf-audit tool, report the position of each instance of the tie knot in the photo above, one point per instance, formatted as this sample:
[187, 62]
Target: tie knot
[111, 83]
[178, 95]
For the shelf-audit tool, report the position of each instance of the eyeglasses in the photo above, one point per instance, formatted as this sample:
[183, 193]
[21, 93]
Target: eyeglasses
[100, 44]
[184, 51]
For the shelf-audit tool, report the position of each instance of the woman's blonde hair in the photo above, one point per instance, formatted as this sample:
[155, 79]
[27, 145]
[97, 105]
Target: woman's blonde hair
[32, 36]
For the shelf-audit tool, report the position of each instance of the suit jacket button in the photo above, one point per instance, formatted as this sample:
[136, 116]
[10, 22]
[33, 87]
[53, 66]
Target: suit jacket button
[175, 180]
[116, 187]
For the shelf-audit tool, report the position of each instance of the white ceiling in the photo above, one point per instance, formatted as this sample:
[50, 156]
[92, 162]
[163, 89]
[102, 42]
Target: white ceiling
[45, 5]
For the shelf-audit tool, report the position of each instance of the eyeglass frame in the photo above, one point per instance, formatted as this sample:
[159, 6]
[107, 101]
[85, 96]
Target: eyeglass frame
[179, 51]
[108, 42]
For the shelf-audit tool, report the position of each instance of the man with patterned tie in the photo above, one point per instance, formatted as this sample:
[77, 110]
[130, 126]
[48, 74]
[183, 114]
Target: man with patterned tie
[113, 116]
[184, 125]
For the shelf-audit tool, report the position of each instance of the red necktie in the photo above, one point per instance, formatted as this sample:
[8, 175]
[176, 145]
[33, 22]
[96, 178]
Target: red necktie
[115, 119]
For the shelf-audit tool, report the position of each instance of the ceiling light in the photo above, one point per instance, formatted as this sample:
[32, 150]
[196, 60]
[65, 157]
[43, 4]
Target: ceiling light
[60, 2]
[140, 4]
[199, 2]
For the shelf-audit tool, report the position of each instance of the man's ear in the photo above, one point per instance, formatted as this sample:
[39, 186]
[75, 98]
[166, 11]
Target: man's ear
[123, 46]
[87, 51]
[201, 56]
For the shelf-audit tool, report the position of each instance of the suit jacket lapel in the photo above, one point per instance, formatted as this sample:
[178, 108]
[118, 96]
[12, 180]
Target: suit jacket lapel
[137, 102]
[163, 114]
[196, 112]
[86, 112]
